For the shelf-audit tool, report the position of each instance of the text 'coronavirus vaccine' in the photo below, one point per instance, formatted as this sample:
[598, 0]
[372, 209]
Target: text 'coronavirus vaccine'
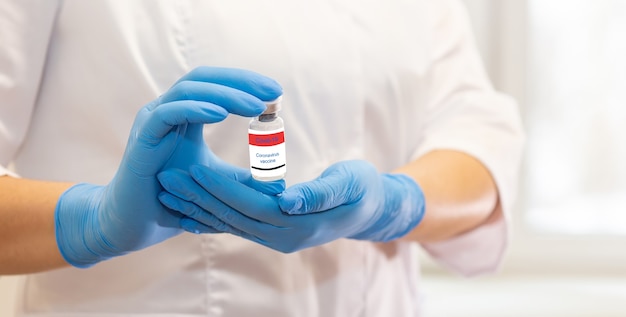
[266, 136]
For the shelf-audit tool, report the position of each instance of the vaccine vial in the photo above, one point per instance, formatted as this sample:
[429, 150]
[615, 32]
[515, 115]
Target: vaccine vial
[266, 136]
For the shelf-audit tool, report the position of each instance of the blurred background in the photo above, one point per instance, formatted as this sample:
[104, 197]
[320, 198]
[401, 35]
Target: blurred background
[564, 61]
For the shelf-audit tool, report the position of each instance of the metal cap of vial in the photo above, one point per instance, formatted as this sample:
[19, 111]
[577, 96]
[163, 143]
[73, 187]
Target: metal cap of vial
[273, 106]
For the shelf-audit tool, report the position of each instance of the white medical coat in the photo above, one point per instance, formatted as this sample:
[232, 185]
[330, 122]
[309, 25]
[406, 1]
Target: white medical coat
[384, 81]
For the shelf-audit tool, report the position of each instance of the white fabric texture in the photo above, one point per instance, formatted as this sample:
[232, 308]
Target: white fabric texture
[382, 81]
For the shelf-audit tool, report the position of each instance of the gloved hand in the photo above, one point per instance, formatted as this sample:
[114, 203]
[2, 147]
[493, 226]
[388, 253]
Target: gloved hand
[349, 200]
[94, 223]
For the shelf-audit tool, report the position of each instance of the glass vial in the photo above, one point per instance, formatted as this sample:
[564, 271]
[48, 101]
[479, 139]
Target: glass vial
[266, 136]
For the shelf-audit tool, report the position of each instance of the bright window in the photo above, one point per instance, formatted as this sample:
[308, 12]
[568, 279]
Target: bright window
[576, 117]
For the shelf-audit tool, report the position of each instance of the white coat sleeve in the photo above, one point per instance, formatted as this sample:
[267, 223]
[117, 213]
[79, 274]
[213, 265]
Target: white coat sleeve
[466, 114]
[25, 29]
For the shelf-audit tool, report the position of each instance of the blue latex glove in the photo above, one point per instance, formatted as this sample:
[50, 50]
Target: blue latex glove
[349, 200]
[94, 223]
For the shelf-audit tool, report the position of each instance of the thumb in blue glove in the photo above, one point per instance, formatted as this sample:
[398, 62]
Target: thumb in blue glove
[94, 223]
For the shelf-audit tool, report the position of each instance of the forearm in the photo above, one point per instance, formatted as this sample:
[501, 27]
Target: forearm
[459, 191]
[27, 232]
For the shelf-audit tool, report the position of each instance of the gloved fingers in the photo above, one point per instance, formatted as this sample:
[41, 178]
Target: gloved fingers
[161, 120]
[273, 188]
[203, 206]
[260, 86]
[196, 219]
[231, 99]
[193, 226]
[244, 176]
[336, 186]
[246, 200]
[190, 210]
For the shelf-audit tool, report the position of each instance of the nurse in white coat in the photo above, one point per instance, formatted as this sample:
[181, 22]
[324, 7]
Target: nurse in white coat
[391, 91]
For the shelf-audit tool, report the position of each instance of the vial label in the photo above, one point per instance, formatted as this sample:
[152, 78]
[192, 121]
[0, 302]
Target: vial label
[267, 153]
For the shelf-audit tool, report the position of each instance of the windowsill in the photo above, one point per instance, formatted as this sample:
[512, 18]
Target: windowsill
[524, 296]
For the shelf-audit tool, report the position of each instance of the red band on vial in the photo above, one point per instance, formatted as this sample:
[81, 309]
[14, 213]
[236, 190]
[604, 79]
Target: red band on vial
[266, 139]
